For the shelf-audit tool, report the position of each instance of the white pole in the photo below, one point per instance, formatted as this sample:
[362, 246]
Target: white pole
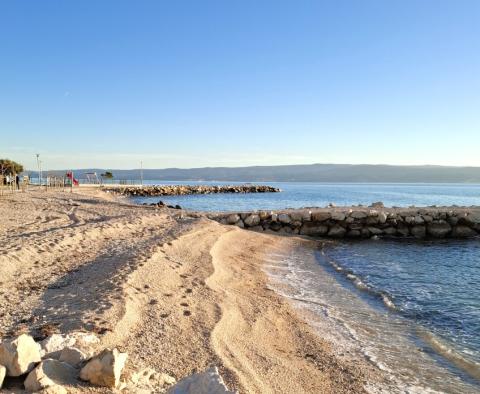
[38, 168]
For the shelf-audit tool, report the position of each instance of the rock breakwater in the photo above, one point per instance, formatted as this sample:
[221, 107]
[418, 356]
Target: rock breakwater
[180, 190]
[362, 222]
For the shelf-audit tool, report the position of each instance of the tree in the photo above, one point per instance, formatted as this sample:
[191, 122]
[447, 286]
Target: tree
[107, 175]
[10, 167]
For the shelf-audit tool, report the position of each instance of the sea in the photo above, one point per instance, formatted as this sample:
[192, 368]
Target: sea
[410, 308]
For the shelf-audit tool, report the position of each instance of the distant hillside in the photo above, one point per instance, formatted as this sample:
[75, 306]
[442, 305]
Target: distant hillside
[303, 173]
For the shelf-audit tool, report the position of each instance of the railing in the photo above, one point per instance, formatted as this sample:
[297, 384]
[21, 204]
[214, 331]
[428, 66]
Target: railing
[113, 181]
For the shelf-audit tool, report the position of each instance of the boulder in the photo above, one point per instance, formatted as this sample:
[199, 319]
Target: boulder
[439, 230]
[105, 369]
[452, 220]
[473, 218]
[252, 220]
[3, 373]
[427, 218]
[233, 218]
[275, 226]
[338, 216]
[208, 382]
[354, 234]
[374, 230]
[72, 356]
[403, 230]
[463, 232]
[240, 224]
[382, 217]
[337, 232]
[54, 344]
[365, 232]
[419, 231]
[301, 215]
[50, 373]
[418, 219]
[377, 204]
[410, 219]
[321, 216]
[86, 342]
[358, 214]
[264, 215]
[284, 218]
[390, 231]
[313, 229]
[372, 220]
[19, 355]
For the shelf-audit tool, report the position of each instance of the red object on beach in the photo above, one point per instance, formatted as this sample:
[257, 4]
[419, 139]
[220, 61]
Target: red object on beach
[70, 176]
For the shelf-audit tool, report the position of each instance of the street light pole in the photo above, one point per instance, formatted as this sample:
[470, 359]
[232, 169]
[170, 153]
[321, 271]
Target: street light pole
[39, 170]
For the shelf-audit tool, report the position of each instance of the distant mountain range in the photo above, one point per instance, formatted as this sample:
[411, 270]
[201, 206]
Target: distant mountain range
[300, 173]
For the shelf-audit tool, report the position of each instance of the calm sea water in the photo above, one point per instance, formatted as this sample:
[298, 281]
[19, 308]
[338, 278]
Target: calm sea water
[298, 195]
[411, 308]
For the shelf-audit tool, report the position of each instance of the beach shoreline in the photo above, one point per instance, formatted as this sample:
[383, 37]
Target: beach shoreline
[177, 291]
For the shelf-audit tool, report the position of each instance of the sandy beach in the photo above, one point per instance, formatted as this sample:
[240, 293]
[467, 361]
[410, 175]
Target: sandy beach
[176, 291]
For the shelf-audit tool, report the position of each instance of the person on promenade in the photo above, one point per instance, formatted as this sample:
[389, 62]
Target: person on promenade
[17, 181]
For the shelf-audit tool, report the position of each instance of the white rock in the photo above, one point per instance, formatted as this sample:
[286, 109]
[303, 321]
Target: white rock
[54, 344]
[208, 382]
[72, 356]
[19, 355]
[86, 342]
[105, 369]
[50, 373]
[382, 217]
[3, 373]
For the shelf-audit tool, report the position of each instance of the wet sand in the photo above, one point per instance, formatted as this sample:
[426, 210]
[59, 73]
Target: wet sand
[177, 291]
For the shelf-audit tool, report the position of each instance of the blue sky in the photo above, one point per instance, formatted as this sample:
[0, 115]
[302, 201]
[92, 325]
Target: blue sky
[215, 83]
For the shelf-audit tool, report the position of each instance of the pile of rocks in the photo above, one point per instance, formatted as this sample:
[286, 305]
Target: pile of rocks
[161, 204]
[180, 190]
[56, 364]
[362, 222]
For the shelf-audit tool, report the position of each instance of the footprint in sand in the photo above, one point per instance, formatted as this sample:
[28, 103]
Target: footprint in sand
[183, 304]
[187, 313]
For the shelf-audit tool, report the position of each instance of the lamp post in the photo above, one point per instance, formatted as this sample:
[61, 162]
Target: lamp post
[39, 169]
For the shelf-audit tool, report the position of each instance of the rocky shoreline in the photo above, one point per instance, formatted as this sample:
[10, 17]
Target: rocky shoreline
[181, 190]
[362, 222]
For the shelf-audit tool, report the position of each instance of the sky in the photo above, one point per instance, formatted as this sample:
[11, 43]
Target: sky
[110, 84]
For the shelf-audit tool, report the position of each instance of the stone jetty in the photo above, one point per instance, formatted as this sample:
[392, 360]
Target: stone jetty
[362, 222]
[180, 190]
